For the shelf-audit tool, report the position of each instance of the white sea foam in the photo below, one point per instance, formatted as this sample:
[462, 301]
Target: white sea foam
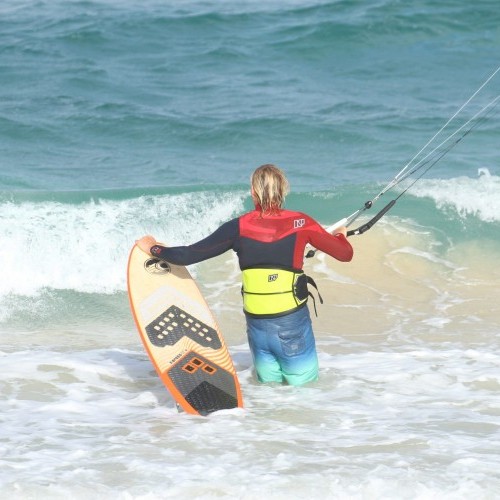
[85, 247]
[99, 423]
[479, 197]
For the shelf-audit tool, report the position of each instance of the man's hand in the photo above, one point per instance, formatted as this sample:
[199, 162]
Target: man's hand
[145, 243]
[340, 230]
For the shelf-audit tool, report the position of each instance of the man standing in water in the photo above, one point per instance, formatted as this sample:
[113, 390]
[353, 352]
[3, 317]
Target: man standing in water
[270, 243]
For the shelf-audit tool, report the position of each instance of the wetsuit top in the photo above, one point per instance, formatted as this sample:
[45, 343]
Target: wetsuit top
[266, 241]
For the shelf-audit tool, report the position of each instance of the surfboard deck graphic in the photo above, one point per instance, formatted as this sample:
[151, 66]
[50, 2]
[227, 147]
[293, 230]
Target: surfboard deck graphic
[181, 335]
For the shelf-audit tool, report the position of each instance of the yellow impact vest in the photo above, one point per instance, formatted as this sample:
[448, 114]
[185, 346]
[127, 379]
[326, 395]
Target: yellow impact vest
[273, 292]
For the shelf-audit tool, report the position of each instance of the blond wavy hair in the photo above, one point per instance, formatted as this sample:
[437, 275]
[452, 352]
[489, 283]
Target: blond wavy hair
[269, 188]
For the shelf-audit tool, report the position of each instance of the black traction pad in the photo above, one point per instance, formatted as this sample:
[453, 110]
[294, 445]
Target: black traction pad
[174, 324]
[205, 386]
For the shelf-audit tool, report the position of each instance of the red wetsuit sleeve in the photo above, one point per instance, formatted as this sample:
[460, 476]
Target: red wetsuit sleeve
[336, 245]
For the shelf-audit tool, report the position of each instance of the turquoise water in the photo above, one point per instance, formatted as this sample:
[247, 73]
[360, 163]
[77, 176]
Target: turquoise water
[111, 94]
[120, 118]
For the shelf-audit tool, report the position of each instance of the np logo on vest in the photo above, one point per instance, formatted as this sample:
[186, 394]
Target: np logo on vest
[272, 277]
[299, 223]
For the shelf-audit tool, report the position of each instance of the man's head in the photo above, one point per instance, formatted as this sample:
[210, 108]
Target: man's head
[269, 186]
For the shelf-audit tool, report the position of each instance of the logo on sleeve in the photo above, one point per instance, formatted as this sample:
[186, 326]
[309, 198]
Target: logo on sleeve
[297, 223]
[272, 277]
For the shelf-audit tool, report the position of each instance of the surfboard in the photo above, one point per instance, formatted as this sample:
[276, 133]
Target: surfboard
[181, 335]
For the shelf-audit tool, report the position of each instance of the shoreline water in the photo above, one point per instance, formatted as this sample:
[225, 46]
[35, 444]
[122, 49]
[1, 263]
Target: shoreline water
[406, 383]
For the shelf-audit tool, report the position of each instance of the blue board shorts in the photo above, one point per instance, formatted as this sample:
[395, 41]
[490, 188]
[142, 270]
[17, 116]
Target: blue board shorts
[283, 348]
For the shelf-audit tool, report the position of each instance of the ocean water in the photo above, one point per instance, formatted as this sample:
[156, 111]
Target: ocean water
[121, 118]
